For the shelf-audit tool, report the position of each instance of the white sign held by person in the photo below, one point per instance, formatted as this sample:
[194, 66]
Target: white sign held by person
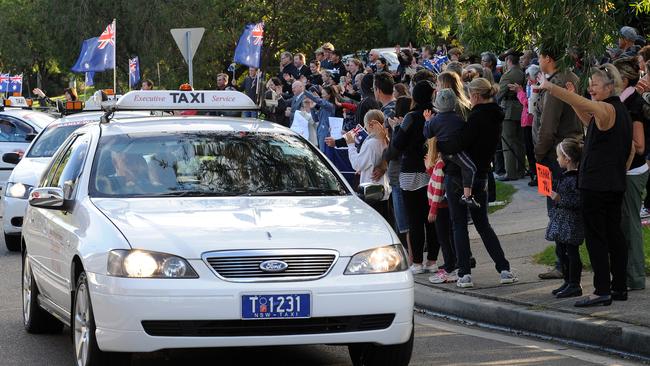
[300, 125]
[336, 127]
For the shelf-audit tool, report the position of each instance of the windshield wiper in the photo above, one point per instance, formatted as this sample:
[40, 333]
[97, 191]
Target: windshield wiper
[309, 191]
[191, 193]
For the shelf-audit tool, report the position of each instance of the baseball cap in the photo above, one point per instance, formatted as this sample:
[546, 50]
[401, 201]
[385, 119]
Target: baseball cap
[628, 33]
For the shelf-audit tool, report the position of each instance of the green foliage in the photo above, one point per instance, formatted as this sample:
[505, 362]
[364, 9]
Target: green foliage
[42, 38]
[483, 25]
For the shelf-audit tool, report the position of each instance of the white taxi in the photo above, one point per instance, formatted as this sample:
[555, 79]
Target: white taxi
[30, 166]
[18, 127]
[187, 232]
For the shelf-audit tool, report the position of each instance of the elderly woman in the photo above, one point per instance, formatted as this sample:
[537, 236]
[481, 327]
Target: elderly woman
[637, 174]
[607, 155]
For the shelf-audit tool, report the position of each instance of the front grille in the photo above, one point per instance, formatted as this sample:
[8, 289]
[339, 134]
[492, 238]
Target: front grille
[244, 266]
[266, 327]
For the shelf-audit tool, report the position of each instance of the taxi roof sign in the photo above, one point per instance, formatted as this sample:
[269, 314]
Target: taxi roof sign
[18, 102]
[168, 100]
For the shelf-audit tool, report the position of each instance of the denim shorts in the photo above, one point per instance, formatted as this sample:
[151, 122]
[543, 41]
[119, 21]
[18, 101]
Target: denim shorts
[399, 211]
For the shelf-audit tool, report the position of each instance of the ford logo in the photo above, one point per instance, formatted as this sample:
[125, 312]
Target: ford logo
[273, 266]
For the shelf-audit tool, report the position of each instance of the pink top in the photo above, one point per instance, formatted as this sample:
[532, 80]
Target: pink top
[526, 118]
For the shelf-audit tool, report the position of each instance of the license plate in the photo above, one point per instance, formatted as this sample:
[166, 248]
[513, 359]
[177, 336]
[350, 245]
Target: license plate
[276, 306]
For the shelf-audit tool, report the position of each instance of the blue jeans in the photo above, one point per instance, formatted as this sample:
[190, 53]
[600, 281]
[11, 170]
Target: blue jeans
[399, 211]
[458, 212]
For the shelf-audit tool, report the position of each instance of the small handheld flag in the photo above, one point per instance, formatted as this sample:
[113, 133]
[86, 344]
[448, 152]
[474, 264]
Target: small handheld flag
[134, 71]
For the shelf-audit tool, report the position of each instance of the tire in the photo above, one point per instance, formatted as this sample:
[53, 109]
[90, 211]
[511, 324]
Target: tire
[35, 319]
[378, 355]
[12, 242]
[84, 343]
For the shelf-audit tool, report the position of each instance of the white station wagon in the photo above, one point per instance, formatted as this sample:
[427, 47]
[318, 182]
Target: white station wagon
[184, 232]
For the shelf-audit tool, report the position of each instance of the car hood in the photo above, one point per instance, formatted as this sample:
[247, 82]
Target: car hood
[29, 170]
[191, 226]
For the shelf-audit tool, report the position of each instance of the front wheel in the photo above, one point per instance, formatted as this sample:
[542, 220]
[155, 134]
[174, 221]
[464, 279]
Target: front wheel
[379, 355]
[86, 350]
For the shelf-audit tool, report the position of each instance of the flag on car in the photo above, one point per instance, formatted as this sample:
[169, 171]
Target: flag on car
[90, 78]
[249, 47]
[97, 53]
[4, 83]
[134, 71]
[16, 84]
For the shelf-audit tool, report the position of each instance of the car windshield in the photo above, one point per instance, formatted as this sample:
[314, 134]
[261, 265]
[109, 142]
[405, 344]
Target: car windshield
[210, 164]
[51, 138]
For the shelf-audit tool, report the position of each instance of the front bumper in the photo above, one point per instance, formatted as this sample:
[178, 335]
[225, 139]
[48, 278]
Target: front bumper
[120, 305]
[13, 211]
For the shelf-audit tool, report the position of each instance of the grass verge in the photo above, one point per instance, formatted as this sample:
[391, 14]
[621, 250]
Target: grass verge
[547, 256]
[504, 194]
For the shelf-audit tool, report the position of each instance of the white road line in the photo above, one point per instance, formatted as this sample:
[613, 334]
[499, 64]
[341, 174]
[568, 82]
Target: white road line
[524, 342]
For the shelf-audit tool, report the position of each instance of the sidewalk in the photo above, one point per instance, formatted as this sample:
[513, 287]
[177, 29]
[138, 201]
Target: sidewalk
[528, 304]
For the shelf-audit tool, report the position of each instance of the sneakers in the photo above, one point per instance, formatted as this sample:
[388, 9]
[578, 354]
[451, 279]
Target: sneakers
[431, 268]
[644, 213]
[508, 277]
[416, 268]
[443, 277]
[465, 281]
[470, 202]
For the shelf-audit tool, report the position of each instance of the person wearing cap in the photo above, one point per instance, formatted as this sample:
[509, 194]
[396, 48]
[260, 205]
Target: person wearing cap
[513, 138]
[447, 124]
[627, 42]
[637, 173]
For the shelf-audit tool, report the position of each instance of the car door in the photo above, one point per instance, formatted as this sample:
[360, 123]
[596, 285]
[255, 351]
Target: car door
[13, 137]
[62, 225]
[37, 233]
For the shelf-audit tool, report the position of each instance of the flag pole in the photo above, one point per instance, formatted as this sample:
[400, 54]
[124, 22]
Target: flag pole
[114, 58]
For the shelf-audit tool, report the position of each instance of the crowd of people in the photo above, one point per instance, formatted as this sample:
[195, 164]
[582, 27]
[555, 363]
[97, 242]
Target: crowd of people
[438, 129]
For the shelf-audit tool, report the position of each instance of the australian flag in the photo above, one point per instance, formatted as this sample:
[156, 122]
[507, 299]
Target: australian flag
[134, 71]
[97, 53]
[435, 64]
[90, 78]
[4, 83]
[16, 84]
[249, 47]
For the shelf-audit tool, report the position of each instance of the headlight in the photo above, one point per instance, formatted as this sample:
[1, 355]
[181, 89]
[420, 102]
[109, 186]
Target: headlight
[145, 264]
[18, 190]
[379, 260]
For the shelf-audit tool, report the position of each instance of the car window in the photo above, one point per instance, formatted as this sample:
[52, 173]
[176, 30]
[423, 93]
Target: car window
[51, 138]
[14, 130]
[67, 169]
[210, 163]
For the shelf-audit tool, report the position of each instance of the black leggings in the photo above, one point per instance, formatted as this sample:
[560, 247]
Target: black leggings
[569, 255]
[445, 238]
[417, 209]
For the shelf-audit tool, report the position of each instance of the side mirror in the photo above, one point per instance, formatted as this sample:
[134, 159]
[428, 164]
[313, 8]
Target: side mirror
[371, 192]
[49, 197]
[11, 158]
[30, 137]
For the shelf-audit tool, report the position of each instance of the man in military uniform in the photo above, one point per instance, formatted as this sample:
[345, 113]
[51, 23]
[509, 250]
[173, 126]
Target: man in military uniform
[513, 138]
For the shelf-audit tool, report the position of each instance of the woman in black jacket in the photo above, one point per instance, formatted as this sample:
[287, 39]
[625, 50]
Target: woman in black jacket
[408, 138]
[479, 139]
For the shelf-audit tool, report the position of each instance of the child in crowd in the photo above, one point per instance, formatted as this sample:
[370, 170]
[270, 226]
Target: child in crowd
[439, 214]
[370, 155]
[444, 125]
[566, 226]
